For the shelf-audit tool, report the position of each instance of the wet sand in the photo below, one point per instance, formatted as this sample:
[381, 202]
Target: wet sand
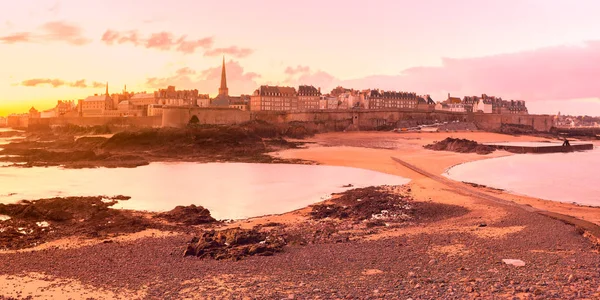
[454, 258]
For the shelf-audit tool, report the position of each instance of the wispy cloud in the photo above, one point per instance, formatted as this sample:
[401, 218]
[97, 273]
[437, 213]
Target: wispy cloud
[160, 40]
[49, 32]
[59, 82]
[233, 51]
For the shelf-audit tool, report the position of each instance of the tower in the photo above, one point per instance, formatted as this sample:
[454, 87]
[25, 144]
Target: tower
[223, 90]
[107, 88]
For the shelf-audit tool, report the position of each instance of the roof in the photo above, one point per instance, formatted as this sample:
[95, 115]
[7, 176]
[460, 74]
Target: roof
[392, 94]
[277, 90]
[96, 98]
[220, 100]
[308, 90]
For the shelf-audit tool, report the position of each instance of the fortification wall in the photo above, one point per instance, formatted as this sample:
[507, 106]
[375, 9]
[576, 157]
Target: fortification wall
[495, 121]
[181, 116]
[337, 120]
[99, 121]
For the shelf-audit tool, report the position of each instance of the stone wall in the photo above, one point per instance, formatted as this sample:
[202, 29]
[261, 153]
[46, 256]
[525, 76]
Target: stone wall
[181, 116]
[99, 121]
[495, 121]
[338, 120]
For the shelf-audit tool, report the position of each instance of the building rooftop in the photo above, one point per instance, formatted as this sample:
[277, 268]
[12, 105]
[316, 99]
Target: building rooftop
[276, 90]
[96, 98]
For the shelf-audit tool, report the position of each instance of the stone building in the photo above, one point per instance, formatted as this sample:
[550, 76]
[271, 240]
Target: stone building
[242, 102]
[171, 96]
[390, 99]
[95, 106]
[3, 122]
[483, 106]
[308, 97]
[203, 100]
[274, 98]
[425, 103]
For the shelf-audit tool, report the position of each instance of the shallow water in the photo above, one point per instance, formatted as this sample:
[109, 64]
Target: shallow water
[228, 190]
[564, 177]
[533, 144]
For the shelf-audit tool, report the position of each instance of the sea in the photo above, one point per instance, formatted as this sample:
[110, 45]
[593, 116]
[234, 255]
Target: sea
[566, 177]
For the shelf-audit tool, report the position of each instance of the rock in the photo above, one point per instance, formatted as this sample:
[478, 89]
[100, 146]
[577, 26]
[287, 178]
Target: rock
[514, 262]
[482, 225]
[188, 215]
[411, 274]
[234, 243]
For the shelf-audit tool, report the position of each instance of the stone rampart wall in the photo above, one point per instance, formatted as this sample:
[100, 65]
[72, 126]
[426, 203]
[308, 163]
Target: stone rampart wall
[99, 121]
[336, 120]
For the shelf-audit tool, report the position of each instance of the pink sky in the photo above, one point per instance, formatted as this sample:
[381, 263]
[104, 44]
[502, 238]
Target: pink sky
[546, 52]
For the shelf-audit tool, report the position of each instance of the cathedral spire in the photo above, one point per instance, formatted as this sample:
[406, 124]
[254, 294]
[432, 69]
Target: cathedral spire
[107, 88]
[223, 90]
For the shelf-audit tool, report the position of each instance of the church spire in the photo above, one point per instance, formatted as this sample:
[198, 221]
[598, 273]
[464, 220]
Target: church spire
[223, 90]
[107, 88]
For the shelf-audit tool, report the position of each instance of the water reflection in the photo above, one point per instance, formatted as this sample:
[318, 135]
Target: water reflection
[228, 190]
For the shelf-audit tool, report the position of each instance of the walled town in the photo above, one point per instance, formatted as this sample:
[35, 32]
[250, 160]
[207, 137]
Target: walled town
[266, 98]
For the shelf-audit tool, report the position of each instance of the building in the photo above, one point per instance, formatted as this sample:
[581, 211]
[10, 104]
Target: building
[155, 110]
[17, 120]
[274, 98]
[34, 113]
[95, 106]
[452, 99]
[425, 103]
[49, 113]
[170, 96]
[483, 106]
[65, 107]
[470, 103]
[2, 122]
[142, 99]
[308, 97]
[352, 99]
[242, 102]
[389, 99]
[203, 100]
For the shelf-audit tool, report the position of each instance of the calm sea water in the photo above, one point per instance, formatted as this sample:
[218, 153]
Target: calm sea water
[228, 190]
[565, 177]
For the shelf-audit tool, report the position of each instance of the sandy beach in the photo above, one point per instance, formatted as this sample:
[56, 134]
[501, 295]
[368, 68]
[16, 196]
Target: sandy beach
[455, 257]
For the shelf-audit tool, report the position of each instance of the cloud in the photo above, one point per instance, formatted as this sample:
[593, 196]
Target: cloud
[208, 80]
[552, 73]
[97, 84]
[78, 84]
[49, 32]
[230, 51]
[59, 82]
[39, 81]
[160, 40]
[297, 70]
[111, 37]
[18, 37]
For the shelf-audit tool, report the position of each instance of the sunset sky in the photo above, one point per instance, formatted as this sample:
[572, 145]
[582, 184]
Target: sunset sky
[546, 52]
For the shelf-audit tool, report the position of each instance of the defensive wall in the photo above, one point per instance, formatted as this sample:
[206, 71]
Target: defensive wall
[337, 120]
[98, 121]
[321, 120]
[492, 122]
